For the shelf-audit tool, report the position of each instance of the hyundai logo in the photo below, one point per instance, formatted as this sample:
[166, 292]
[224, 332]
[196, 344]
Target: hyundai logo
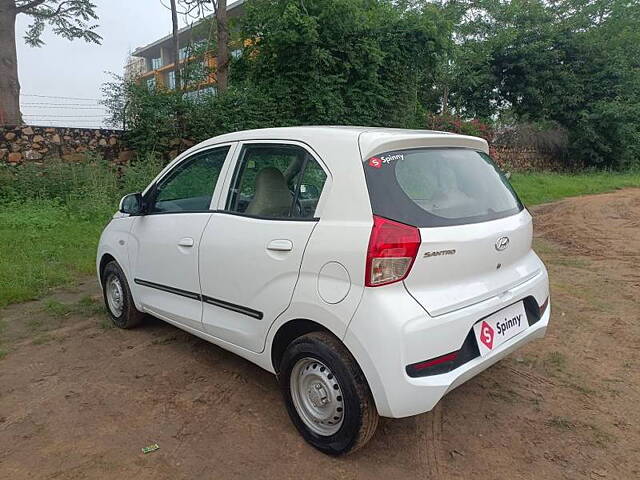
[502, 243]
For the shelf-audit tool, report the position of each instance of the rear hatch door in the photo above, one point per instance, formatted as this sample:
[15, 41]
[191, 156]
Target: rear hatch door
[475, 233]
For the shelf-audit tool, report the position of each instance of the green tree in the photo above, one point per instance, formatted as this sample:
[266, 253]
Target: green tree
[572, 63]
[342, 61]
[70, 19]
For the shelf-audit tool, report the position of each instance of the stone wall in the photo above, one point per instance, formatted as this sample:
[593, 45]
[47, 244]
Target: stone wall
[36, 144]
[523, 159]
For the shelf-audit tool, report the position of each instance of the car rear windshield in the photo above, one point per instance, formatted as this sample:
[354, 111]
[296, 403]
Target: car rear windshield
[433, 187]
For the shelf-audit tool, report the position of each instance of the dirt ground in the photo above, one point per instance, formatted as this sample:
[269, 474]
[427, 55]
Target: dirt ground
[78, 399]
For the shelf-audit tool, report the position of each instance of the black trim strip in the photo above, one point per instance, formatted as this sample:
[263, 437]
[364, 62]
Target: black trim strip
[165, 288]
[203, 298]
[237, 214]
[261, 217]
[233, 307]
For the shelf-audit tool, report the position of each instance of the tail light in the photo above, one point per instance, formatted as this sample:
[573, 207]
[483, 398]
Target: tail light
[393, 247]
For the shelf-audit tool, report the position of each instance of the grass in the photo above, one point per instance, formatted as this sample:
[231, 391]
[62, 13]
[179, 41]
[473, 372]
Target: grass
[57, 309]
[43, 247]
[561, 423]
[556, 361]
[51, 217]
[536, 188]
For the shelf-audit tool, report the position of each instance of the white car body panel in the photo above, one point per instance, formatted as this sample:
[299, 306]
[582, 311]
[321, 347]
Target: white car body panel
[263, 280]
[476, 271]
[321, 279]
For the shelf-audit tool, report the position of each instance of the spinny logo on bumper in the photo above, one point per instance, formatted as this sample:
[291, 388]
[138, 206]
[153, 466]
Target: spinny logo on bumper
[507, 324]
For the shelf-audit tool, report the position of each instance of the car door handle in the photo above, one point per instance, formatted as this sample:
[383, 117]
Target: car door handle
[186, 242]
[280, 245]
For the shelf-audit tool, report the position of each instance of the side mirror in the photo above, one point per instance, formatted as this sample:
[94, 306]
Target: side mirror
[308, 191]
[132, 204]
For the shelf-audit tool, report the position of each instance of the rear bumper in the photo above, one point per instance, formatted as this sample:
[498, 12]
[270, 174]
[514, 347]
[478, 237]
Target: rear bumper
[392, 331]
[422, 394]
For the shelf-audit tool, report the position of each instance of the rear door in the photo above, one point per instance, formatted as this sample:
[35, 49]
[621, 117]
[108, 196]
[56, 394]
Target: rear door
[252, 248]
[475, 233]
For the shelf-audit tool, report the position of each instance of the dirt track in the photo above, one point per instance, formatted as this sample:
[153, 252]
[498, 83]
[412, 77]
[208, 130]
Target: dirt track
[79, 399]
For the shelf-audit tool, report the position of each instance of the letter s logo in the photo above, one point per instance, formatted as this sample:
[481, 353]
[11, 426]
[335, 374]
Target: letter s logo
[486, 335]
[375, 162]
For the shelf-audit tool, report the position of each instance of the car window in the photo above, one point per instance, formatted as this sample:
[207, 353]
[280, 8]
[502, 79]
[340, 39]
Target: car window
[267, 182]
[434, 187]
[310, 189]
[189, 186]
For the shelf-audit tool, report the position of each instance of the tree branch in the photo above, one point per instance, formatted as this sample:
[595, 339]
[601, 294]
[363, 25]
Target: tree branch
[51, 14]
[29, 6]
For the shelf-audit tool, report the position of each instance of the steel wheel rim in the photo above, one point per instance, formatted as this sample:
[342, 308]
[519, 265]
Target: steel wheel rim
[317, 396]
[115, 295]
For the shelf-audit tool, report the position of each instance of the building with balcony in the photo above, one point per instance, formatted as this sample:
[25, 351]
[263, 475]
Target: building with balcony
[153, 63]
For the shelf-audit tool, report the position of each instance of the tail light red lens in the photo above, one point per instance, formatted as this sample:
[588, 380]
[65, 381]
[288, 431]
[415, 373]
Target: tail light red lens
[393, 247]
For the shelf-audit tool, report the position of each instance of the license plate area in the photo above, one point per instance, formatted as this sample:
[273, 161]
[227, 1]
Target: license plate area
[497, 328]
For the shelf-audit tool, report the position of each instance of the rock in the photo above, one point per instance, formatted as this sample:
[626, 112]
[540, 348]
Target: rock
[73, 157]
[50, 130]
[3, 153]
[38, 139]
[9, 136]
[56, 139]
[36, 146]
[125, 156]
[102, 142]
[113, 141]
[174, 141]
[15, 147]
[27, 131]
[14, 157]
[32, 155]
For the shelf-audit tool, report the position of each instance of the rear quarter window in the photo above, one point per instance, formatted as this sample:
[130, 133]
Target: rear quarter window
[433, 187]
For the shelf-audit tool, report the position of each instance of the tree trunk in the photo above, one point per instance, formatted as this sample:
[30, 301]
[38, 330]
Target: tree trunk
[445, 100]
[176, 44]
[222, 47]
[9, 85]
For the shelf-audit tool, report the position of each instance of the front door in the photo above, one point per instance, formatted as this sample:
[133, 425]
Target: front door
[164, 257]
[252, 248]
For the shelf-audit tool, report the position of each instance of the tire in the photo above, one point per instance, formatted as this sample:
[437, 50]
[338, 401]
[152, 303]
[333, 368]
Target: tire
[319, 358]
[123, 313]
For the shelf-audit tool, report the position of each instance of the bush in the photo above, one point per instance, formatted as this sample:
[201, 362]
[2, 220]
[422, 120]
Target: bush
[456, 124]
[85, 190]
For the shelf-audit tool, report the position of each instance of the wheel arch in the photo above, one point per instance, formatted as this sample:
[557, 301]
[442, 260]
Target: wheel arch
[104, 260]
[289, 331]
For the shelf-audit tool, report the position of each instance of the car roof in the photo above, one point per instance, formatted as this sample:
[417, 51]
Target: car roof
[371, 140]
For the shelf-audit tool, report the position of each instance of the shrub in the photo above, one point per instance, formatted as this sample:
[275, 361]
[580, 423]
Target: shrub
[86, 190]
[456, 124]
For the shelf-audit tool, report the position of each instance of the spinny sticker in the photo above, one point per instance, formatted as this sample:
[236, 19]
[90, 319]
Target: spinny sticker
[377, 162]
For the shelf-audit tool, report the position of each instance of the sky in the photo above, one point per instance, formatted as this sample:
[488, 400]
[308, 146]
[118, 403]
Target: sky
[62, 68]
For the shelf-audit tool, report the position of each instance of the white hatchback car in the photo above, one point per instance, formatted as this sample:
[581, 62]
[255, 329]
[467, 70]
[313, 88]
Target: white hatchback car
[372, 270]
